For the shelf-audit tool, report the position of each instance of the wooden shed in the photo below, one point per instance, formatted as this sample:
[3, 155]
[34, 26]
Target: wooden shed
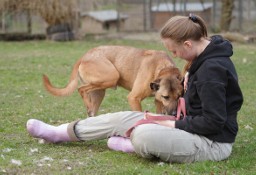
[100, 22]
[163, 11]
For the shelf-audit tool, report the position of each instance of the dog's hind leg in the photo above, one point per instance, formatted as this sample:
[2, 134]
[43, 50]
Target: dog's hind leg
[92, 100]
[96, 98]
[96, 74]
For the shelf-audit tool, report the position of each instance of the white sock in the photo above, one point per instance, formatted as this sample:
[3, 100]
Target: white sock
[54, 134]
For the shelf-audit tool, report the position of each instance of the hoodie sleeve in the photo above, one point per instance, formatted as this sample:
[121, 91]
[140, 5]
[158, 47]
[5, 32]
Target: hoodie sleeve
[209, 97]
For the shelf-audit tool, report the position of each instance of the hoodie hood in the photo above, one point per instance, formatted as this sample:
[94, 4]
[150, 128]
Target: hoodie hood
[217, 48]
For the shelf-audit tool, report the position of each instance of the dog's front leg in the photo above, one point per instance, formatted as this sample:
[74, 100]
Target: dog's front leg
[159, 107]
[134, 102]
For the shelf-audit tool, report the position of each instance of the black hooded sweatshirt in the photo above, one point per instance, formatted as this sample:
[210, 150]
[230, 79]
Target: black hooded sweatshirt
[213, 95]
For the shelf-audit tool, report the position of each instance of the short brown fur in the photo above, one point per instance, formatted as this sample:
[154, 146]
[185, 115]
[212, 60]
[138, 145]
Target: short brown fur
[131, 68]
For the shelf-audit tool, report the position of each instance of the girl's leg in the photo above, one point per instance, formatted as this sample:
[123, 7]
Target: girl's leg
[53, 134]
[93, 128]
[106, 125]
[174, 145]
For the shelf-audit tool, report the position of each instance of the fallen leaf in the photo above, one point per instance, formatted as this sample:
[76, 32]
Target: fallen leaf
[41, 141]
[33, 150]
[2, 156]
[7, 150]
[16, 162]
[160, 164]
[248, 127]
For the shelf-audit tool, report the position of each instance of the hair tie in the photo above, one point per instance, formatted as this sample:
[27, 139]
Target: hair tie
[192, 17]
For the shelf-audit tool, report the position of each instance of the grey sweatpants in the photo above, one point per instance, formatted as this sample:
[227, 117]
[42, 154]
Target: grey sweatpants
[151, 140]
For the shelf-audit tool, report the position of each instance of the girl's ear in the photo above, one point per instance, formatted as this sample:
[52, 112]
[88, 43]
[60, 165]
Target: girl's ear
[188, 44]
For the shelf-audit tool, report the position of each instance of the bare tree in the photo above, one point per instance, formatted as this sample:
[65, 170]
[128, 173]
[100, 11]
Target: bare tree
[60, 15]
[226, 14]
[52, 11]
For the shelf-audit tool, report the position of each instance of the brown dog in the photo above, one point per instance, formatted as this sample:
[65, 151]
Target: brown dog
[143, 72]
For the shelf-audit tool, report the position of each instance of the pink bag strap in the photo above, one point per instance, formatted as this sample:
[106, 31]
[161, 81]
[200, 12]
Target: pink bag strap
[151, 118]
[181, 108]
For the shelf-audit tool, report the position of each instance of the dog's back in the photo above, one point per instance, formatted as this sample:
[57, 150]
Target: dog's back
[130, 60]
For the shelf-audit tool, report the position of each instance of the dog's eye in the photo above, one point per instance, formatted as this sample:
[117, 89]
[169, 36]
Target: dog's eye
[165, 97]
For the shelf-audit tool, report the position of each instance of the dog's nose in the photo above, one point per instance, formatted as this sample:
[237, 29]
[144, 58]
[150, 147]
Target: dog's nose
[170, 111]
[174, 113]
[167, 112]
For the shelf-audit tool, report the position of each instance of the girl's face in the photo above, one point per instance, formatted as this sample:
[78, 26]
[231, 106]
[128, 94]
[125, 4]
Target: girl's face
[184, 50]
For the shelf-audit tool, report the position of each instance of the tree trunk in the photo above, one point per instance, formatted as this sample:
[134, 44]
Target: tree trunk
[226, 14]
[29, 22]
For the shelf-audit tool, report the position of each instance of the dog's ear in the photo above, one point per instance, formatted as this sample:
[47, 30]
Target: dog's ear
[155, 85]
[182, 81]
[180, 77]
[177, 72]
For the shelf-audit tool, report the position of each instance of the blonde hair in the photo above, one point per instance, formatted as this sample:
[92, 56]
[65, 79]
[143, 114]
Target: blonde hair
[182, 28]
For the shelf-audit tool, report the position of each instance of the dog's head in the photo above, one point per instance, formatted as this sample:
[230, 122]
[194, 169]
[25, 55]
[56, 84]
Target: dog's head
[168, 88]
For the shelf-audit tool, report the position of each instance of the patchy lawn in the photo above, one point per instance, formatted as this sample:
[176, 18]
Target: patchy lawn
[22, 97]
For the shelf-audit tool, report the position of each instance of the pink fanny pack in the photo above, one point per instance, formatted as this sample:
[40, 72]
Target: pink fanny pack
[149, 118]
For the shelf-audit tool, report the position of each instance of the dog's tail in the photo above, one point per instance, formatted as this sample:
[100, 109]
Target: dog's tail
[71, 86]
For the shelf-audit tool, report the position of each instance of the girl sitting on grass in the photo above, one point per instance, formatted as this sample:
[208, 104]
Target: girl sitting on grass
[213, 99]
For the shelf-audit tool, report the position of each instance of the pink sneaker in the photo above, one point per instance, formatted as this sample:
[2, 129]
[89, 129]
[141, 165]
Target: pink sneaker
[120, 144]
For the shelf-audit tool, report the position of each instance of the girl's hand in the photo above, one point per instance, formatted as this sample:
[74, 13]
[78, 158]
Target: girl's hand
[160, 119]
[167, 123]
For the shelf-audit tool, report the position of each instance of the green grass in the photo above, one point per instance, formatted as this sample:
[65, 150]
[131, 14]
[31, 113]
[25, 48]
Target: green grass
[22, 97]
